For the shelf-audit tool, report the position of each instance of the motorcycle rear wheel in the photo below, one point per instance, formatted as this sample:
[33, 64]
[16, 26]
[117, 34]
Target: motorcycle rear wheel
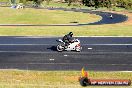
[60, 48]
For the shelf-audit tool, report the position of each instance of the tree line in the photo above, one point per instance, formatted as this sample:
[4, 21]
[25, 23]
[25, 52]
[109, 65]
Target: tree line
[108, 3]
[127, 4]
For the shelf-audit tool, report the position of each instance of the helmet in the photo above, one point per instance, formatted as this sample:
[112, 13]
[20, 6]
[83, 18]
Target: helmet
[70, 33]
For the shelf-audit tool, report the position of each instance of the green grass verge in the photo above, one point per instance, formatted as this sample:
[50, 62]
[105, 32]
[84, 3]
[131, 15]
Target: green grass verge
[54, 79]
[98, 30]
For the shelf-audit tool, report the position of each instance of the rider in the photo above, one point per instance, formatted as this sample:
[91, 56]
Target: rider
[68, 39]
[111, 16]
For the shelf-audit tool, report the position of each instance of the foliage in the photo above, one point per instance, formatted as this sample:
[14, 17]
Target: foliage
[108, 3]
[99, 3]
[127, 4]
[124, 3]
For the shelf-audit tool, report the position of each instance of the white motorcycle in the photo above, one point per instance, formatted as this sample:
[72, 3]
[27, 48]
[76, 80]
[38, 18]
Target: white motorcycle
[75, 46]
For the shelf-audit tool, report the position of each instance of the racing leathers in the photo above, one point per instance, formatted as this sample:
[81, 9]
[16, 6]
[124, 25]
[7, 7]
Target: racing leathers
[67, 39]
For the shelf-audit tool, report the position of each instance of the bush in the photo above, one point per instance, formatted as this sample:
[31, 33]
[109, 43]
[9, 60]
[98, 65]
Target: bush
[127, 4]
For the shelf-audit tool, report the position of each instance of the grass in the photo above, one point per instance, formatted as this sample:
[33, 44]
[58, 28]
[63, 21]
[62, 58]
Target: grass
[43, 16]
[98, 30]
[37, 16]
[54, 79]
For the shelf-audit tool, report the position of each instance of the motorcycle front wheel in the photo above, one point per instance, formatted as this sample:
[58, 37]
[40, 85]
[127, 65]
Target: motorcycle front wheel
[60, 48]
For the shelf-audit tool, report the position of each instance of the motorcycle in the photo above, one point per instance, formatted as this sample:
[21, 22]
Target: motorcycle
[75, 46]
[111, 16]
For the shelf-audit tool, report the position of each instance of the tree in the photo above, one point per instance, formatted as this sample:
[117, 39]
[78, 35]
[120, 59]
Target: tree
[13, 2]
[124, 4]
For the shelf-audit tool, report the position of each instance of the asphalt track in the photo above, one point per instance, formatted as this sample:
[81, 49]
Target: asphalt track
[117, 18]
[39, 53]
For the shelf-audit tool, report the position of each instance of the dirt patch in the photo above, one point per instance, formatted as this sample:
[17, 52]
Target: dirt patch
[129, 22]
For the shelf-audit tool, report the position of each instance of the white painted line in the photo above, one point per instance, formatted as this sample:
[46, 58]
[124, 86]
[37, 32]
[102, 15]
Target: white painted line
[105, 36]
[82, 63]
[62, 36]
[37, 37]
[65, 55]
[108, 44]
[22, 52]
[90, 48]
[119, 64]
[51, 59]
[100, 52]
[75, 36]
[32, 52]
[126, 71]
[56, 44]
[24, 44]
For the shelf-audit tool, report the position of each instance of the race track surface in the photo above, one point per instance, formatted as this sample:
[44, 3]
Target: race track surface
[39, 53]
